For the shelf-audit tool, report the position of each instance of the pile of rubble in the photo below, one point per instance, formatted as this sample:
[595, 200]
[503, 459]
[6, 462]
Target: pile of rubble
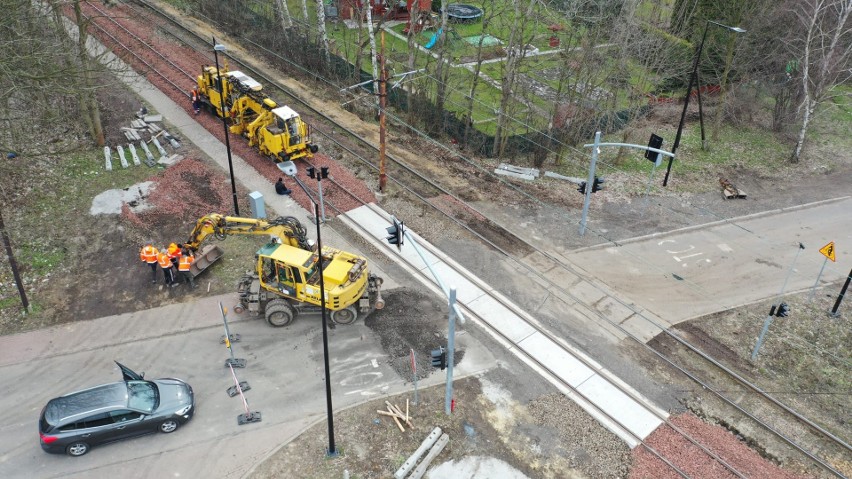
[145, 126]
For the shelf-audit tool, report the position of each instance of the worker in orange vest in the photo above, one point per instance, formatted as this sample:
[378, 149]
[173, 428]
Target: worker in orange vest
[196, 101]
[148, 254]
[167, 267]
[184, 264]
[174, 254]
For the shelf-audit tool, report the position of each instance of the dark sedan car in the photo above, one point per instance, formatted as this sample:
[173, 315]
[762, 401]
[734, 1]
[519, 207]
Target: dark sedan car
[76, 422]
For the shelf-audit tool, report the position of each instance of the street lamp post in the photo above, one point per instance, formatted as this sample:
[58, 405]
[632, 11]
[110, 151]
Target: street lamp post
[217, 47]
[289, 168]
[693, 79]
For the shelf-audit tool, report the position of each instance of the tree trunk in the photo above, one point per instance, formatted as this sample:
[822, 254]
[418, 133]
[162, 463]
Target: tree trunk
[468, 124]
[88, 98]
[515, 53]
[411, 38]
[284, 14]
[441, 91]
[373, 59]
[322, 32]
[305, 12]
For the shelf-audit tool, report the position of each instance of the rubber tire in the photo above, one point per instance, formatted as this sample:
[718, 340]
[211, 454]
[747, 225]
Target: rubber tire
[345, 315]
[279, 313]
[77, 449]
[168, 426]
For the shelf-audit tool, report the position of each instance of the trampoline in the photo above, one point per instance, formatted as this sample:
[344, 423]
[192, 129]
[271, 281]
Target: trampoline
[459, 13]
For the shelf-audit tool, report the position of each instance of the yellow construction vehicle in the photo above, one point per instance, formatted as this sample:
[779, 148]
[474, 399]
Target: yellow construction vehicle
[276, 131]
[286, 280]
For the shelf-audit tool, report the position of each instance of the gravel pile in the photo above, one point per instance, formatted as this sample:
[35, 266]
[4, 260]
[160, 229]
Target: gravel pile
[695, 462]
[589, 447]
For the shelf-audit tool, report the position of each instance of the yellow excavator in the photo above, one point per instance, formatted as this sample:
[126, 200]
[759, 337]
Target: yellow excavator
[286, 281]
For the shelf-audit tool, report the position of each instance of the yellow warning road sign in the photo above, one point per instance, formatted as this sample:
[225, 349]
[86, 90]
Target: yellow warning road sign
[828, 251]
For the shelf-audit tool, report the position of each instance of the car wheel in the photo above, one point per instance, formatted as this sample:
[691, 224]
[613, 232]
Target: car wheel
[77, 449]
[169, 425]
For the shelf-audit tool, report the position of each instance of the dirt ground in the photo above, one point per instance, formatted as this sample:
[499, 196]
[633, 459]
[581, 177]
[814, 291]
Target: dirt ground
[77, 266]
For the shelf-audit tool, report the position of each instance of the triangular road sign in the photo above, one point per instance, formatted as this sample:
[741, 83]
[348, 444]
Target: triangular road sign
[828, 251]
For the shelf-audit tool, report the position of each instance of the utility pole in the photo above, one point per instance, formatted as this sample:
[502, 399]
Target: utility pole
[834, 312]
[383, 89]
[17, 275]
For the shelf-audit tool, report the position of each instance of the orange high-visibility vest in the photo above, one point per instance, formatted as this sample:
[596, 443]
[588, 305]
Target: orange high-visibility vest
[164, 261]
[184, 263]
[174, 251]
[148, 254]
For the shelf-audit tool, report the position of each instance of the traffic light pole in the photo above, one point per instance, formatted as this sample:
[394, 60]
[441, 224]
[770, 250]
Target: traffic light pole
[451, 350]
[768, 320]
[455, 312]
[590, 182]
[595, 152]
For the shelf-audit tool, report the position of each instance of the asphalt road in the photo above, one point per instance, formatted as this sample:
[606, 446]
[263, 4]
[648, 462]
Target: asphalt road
[285, 371]
[697, 271]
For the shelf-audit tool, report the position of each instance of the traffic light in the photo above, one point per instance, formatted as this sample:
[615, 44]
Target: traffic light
[439, 358]
[598, 184]
[582, 187]
[312, 172]
[783, 310]
[654, 142]
[396, 233]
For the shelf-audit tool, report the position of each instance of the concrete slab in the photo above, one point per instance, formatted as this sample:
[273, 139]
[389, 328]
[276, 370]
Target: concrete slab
[586, 292]
[620, 406]
[563, 364]
[613, 309]
[134, 154]
[108, 159]
[501, 318]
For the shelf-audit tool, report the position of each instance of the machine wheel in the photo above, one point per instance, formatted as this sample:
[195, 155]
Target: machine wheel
[345, 315]
[169, 425]
[279, 313]
[77, 449]
[314, 148]
[238, 309]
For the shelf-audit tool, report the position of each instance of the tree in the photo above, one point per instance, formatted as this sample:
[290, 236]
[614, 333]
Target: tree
[489, 13]
[47, 86]
[515, 52]
[323, 35]
[88, 100]
[822, 40]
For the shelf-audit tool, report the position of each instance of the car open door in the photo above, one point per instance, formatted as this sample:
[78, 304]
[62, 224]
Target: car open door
[128, 374]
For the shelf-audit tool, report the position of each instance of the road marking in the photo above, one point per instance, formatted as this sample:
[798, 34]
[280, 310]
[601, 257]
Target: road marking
[725, 248]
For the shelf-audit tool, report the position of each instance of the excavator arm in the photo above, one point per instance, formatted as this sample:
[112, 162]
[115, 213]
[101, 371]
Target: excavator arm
[286, 228]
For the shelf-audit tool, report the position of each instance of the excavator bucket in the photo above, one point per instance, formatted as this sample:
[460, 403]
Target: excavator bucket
[205, 257]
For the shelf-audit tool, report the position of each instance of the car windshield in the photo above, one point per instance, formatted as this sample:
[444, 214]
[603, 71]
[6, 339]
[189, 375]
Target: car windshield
[142, 396]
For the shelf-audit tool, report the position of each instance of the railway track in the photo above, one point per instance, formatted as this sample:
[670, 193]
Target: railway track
[420, 188]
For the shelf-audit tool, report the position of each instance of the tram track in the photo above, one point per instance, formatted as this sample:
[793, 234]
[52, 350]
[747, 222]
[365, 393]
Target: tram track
[404, 175]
